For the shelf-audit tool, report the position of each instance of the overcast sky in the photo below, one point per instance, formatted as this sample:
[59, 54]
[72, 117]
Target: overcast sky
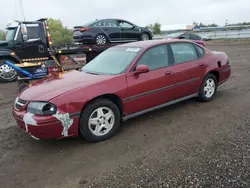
[141, 12]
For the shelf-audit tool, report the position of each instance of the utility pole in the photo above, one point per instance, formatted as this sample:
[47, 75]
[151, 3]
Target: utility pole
[19, 9]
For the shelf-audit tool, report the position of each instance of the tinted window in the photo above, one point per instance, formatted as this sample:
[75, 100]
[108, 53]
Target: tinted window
[100, 23]
[124, 24]
[155, 57]
[183, 52]
[185, 36]
[112, 61]
[110, 23]
[33, 32]
[194, 37]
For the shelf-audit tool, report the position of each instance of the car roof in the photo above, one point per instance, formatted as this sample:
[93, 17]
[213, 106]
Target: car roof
[151, 43]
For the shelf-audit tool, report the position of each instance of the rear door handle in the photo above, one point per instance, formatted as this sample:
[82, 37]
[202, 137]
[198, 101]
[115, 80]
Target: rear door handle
[168, 73]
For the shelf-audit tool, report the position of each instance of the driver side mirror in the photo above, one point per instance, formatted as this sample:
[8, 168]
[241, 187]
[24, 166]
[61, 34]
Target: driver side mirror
[141, 69]
[25, 38]
[24, 32]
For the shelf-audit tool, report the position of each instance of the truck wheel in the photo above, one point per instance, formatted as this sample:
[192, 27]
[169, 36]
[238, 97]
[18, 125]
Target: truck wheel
[7, 73]
[100, 120]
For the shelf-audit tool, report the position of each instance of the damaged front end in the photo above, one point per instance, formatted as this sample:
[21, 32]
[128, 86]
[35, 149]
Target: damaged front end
[43, 120]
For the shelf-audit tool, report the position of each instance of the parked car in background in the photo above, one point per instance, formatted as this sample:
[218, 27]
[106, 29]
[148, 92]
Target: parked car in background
[110, 31]
[187, 36]
[122, 82]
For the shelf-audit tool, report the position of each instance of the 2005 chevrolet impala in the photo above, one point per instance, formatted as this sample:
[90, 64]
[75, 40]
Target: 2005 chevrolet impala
[122, 82]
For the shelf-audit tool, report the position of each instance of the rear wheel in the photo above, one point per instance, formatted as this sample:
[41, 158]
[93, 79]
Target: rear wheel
[208, 88]
[101, 39]
[7, 73]
[100, 120]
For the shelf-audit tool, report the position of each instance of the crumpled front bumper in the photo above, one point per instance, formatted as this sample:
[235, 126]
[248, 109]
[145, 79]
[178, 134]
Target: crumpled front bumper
[47, 127]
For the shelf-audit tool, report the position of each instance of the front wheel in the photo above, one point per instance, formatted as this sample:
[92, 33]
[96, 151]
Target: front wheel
[144, 37]
[99, 120]
[7, 73]
[208, 88]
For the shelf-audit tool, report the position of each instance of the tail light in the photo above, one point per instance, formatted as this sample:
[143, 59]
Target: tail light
[84, 29]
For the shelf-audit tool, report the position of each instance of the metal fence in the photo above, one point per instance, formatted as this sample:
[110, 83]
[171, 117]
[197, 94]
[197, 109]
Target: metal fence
[224, 34]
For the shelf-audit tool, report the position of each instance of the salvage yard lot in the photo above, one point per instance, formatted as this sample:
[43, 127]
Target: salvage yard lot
[190, 144]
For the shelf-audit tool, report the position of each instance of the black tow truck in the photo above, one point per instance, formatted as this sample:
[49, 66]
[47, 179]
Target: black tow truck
[28, 45]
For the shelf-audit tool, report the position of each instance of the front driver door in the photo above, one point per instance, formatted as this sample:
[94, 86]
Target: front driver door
[153, 88]
[129, 32]
[34, 47]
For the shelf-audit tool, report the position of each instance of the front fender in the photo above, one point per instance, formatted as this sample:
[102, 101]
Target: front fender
[9, 54]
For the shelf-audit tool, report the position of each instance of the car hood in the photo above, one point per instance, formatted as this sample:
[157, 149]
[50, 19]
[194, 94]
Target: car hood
[53, 86]
[3, 43]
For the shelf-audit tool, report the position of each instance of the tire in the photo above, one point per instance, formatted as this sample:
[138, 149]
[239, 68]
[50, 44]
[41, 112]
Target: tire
[87, 131]
[211, 90]
[144, 37]
[101, 39]
[5, 76]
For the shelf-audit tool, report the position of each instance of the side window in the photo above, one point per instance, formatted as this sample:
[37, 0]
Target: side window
[194, 37]
[110, 23]
[185, 36]
[33, 31]
[155, 58]
[100, 23]
[183, 52]
[200, 50]
[125, 24]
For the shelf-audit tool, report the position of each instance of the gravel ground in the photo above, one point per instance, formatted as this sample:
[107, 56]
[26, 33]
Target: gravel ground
[190, 144]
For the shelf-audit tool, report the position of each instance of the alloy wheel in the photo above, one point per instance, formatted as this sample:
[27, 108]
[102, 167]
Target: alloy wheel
[101, 39]
[101, 121]
[209, 88]
[144, 37]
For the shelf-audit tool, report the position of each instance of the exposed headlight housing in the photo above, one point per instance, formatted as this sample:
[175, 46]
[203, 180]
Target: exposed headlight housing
[41, 108]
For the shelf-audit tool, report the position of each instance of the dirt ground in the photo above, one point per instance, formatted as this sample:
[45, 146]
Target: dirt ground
[190, 144]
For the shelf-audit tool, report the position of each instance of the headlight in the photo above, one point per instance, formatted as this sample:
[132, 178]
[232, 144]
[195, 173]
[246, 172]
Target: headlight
[41, 108]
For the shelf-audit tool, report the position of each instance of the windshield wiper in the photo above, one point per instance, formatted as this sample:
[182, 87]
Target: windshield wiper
[91, 72]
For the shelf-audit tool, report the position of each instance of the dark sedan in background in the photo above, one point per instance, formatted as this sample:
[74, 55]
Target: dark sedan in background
[187, 36]
[110, 31]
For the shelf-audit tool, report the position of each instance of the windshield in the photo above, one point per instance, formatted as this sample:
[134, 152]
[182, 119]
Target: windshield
[112, 61]
[174, 35]
[10, 34]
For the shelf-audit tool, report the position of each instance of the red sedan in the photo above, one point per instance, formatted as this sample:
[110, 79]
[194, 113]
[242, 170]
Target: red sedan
[121, 83]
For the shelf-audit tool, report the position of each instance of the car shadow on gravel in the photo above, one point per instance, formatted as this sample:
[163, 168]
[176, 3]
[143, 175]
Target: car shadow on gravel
[14, 137]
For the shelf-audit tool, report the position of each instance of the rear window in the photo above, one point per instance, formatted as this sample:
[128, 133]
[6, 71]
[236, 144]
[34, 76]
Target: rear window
[194, 37]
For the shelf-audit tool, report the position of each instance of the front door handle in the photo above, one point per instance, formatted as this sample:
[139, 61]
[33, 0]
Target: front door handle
[168, 73]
